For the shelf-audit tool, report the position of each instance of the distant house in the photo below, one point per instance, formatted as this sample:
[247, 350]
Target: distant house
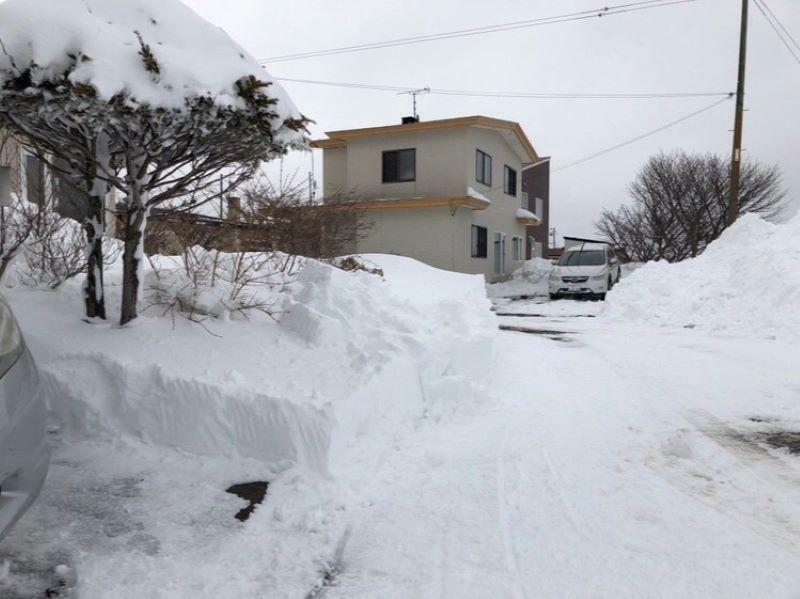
[447, 192]
[31, 179]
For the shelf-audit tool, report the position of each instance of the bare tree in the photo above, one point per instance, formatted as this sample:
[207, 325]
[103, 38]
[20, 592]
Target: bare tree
[291, 223]
[680, 202]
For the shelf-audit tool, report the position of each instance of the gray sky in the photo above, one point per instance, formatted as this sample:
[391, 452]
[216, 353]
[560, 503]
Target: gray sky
[684, 48]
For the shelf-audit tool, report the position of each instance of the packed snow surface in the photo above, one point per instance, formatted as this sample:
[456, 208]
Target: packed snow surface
[745, 283]
[195, 58]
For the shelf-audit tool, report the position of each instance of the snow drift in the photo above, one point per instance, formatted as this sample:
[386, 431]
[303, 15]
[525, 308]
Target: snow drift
[746, 283]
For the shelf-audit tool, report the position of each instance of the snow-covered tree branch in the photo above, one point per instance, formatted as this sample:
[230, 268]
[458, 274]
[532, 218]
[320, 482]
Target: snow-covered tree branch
[141, 96]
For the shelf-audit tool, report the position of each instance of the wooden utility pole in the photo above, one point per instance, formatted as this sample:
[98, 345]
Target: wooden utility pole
[736, 160]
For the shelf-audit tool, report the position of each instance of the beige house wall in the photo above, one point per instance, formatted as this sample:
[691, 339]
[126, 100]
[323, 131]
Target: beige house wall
[10, 157]
[334, 165]
[445, 168]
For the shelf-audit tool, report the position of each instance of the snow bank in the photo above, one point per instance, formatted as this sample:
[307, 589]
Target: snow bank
[195, 57]
[528, 280]
[420, 340]
[746, 283]
[353, 354]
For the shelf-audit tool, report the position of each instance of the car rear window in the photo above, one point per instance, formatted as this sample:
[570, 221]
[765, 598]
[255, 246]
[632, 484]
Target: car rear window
[583, 258]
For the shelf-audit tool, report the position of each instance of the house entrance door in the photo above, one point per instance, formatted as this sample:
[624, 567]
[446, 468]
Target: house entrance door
[499, 253]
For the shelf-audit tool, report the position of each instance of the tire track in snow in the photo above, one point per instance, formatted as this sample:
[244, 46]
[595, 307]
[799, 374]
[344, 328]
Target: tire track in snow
[511, 555]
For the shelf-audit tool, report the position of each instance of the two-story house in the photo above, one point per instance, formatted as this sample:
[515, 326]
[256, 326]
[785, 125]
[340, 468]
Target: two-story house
[445, 192]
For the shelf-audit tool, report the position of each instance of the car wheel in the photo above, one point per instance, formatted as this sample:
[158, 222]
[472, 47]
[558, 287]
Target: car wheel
[553, 297]
[610, 283]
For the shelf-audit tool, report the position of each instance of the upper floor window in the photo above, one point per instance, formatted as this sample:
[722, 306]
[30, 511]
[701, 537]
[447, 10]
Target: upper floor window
[483, 168]
[510, 181]
[399, 166]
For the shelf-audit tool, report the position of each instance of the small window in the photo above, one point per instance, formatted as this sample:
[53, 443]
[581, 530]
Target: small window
[516, 248]
[479, 237]
[34, 179]
[510, 181]
[483, 168]
[399, 166]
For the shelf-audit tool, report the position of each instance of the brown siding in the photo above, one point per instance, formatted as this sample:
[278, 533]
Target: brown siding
[536, 183]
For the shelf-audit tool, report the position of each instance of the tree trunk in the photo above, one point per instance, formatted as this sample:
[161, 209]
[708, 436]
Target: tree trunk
[4, 262]
[95, 226]
[93, 289]
[132, 257]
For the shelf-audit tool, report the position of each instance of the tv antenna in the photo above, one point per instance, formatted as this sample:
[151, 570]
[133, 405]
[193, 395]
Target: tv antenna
[414, 93]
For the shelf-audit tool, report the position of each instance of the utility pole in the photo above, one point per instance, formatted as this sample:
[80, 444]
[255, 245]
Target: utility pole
[736, 160]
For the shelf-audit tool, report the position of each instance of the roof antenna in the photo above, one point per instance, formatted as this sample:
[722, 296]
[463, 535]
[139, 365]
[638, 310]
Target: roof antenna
[414, 93]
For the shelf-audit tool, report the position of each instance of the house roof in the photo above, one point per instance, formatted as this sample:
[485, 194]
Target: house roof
[510, 130]
[585, 240]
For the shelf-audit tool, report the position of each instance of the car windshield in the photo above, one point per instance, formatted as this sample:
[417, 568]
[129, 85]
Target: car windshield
[583, 258]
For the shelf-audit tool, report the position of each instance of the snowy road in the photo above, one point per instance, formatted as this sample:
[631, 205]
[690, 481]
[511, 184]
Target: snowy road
[607, 465]
[606, 461]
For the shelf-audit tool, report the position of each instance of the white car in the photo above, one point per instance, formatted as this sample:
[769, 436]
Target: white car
[586, 270]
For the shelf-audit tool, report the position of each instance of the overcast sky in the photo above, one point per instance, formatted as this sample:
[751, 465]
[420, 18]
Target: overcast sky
[684, 48]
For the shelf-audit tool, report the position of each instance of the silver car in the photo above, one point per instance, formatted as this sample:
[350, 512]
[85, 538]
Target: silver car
[24, 458]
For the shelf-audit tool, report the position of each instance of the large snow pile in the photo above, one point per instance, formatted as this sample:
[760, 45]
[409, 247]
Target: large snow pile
[746, 283]
[528, 280]
[348, 348]
[195, 58]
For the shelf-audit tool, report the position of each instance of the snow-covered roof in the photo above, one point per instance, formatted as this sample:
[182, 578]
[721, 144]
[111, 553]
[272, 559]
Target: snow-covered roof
[523, 213]
[473, 193]
[106, 38]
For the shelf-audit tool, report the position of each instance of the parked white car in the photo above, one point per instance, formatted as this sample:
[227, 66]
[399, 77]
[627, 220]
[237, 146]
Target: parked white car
[586, 270]
[24, 458]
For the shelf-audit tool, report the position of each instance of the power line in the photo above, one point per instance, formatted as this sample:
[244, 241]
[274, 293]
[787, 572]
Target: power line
[491, 94]
[780, 23]
[644, 135]
[766, 12]
[564, 18]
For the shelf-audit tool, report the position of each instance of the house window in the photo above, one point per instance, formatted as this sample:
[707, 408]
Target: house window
[34, 179]
[399, 166]
[483, 168]
[479, 238]
[516, 248]
[510, 181]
